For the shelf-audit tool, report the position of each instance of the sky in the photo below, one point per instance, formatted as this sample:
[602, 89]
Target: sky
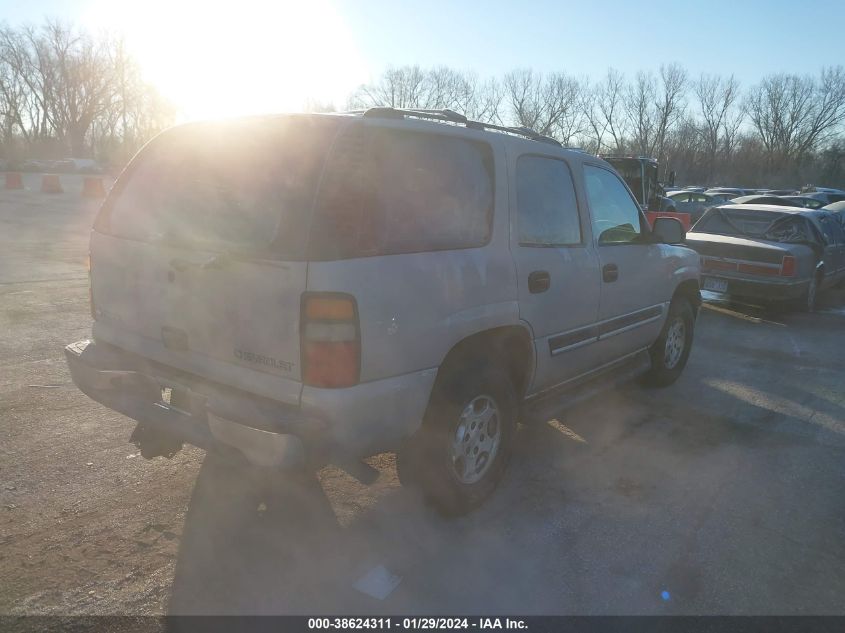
[248, 56]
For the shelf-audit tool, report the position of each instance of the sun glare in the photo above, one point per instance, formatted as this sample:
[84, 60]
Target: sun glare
[243, 57]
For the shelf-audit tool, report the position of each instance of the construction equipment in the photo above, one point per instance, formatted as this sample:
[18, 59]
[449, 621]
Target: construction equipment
[640, 173]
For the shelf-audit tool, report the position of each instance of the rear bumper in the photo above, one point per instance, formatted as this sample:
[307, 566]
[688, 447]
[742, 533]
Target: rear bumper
[114, 380]
[773, 290]
[330, 425]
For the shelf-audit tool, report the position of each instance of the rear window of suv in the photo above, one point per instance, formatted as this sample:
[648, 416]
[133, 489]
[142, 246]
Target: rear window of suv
[244, 186]
[388, 191]
[295, 189]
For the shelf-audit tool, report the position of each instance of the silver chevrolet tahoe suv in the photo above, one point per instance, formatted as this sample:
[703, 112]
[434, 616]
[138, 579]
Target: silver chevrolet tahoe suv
[309, 289]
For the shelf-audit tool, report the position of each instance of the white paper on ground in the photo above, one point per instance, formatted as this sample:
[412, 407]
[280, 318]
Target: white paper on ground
[378, 582]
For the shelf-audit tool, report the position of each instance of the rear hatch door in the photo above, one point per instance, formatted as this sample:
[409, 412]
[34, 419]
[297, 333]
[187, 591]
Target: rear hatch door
[197, 259]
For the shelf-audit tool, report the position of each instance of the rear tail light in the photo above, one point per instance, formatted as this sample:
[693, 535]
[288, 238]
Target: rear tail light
[787, 267]
[330, 340]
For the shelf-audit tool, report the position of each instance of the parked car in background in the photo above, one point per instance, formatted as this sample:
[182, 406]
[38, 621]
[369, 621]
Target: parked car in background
[769, 253]
[814, 189]
[826, 197]
[782, 192]
[695, 188]
[837, 209]
[733, 192]
[764, 199]
[235, 305]
[724, 197]
[694, 202]
[804, 201]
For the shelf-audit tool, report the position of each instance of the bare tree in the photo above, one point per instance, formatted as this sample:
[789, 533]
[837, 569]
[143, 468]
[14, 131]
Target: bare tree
[64, 91]
[670, 106]
[549, 105]
[603, 106]
[794, 115]
[639, 108]
[720, 119]
[654, 108]
[437, 88]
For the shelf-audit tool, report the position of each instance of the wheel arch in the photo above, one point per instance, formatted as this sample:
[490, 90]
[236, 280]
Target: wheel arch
[510, 344]
[689, 290]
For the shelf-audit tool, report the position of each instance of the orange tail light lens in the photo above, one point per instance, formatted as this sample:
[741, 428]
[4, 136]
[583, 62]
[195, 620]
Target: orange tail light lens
[330, 341]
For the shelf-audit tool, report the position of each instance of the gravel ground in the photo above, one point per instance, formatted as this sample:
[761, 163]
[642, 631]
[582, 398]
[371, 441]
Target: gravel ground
[719, 495]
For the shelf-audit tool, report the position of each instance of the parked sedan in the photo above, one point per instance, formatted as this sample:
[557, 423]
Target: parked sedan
[693, 202]
[769, 252]
[765, 199]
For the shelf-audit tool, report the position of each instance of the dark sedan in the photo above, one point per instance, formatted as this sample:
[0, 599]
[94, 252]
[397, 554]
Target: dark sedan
[769, 252]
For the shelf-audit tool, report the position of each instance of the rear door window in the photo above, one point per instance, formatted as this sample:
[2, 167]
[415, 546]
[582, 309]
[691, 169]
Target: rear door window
[391, 191]
[246, 187]
[546, 203]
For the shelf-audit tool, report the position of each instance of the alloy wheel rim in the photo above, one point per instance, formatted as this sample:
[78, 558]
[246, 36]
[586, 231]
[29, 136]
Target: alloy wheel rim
[476, 440]
[675, 340]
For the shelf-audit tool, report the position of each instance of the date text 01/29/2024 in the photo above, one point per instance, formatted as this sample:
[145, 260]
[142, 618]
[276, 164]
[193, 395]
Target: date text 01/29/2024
[435, 624]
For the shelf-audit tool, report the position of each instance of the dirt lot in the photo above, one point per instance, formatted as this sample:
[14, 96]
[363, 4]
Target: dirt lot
[721, 494]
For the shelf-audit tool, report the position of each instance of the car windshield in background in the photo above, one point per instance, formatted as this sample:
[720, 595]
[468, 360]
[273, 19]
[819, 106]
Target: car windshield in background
[225, 187]
[765, 225]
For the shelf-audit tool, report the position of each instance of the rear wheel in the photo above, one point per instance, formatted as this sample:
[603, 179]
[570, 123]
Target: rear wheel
[807, 302]
[670, 352]
[459, 455]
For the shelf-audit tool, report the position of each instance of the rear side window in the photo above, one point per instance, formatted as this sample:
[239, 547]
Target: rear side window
[547, 207]
[394, 191]
[246, 187]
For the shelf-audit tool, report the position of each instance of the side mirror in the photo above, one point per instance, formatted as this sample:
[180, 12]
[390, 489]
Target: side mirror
[669, 231]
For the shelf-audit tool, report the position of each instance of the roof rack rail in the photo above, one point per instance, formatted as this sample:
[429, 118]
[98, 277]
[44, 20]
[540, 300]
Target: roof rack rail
[450, 116]
[398, 113]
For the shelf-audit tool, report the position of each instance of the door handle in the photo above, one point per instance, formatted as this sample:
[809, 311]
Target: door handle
[539, 281]
[610, 272]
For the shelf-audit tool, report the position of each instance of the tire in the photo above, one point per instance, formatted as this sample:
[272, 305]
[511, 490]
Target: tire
[807, 301]
[670, 352]
[462, 449]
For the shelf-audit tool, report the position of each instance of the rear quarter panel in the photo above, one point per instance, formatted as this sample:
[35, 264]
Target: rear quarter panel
[415, 307]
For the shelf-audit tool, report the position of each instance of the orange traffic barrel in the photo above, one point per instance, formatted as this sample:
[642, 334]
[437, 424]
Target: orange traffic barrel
[13, 180]
[50, 183]
[93, 188]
